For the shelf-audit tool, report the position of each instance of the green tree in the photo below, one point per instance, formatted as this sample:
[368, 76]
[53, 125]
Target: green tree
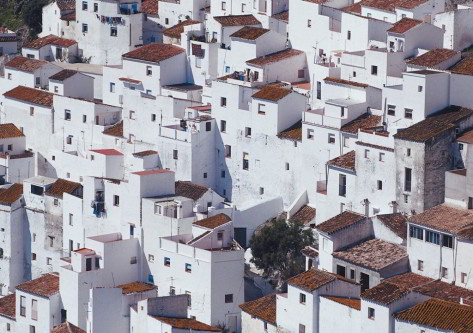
[276, 249]
[32, 14]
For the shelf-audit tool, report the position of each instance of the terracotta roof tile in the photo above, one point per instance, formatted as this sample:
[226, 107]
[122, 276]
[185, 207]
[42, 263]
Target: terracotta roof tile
[63, 75]
[250, 33]
[466, 137]
[274, 57]
[136, 287]
[7, 306]
[107, 152]
[263, 308]
[151, 172]
[213, 221]
[46, 285]
[345, 82]
[178, 29]
[282, 16]
[384, 293]
[439, 314]
[9, 131]
[435, 124]
[67, 327]
[355, 8]
[353, 303]
[190, 190]
[444, 291]
[154, 52]
[374, 254]
[432, 57]
[236, 20]
[345, 161]
[34, 96]
[305, 215]
[404, 25]
[408, 280]
[395, 222]
[271, 93]
[66, 4]
[145, 153]
[25, 64]
[314, 279]
[11, 194]
[366, 120]
[49, 40]
[69, 17]
[62, 186]
[390, 5]
[186, 323]
[464, 67]
[292, 133]
[115, 130]
[339, 222]
[310, 252]
[150, 7]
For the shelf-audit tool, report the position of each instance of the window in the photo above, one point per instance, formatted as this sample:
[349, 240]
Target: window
[229, 298]
[246, 162]
[153, 117]
[38, 81]
[309, 23]
[148, 92]
[223, 101]
[56, 89]
[205, 175]
[220, 235]
[188, 268]
[33, 237]
[380, 185]
[22, 306]
[116, 200]
[371, 313]
[381, 157]
[149, 70]
[287, 166]
[85, 5]
[71, 218]
[349, 35]
[374, 70]
[248, 132]
[416, 232]
[367, 153]
[150, 258]
[56, 202]
[222, 174]
[223, 126]
[84, 118]
[112, 87]
[166, 21]
[33, 256]
[172, 291]
[175, 154]
[8, 327]
[32, 329]
[96, 7]
[342, 185]
[10, 147]
[228, 151]
[463, 278]
[420, 265]
[346, 141]
[31, 111]
[243, 7]
[189, 298]
[444, 271]
[432, 237]
[9, 76]
[331, 138]
[302, 298]
[36, 190]
[133, 260]
[447, 241]
[113, 31]
[227, 68]
[34, 309]
[391, 110]
[408, 113]
[69, 139]
[97, 262]
[224, 5]
[208, 126]
[85, 28]
[67, 115]
[301, 328]
[261, 190]
[49, 261]
[352, 274]
[460, 146]
[167, 261]
[407, 179]
[261, 108]
[354, 74]
[300, 74]
[310, 134]
[132, 114]
[198, 62]
[319, 90]
[408, 152]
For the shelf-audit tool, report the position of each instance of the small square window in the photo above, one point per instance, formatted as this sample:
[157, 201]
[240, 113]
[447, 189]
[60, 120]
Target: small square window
[188, 268]
[96, 7]
[175, 154]
[371, 313]
[367, 153]
[112, 87]
[352, 274]
[223, 101]
[113, 31]
[228, 151]
[391, 110]
[149, 70]
[310, 133]
[31, 111]
[374, 70]
[445, 272]
[380, 185]
[229, 298]
[248, 132]
[56, 202]
[85, 5]
[132, 114]
[166, 21]
[354, 74]
[133, 260]
[208, 126]
[167, 261]
[463, 278]
[205, 175]
[116, 200]
[153, 117]
[300, 74]
[460, 146]
[56, 89]
[287, 166]
[408, 152]
[331, 138]
[85, 28]
[408, 113]
[49, 261]
[223, 126]
[10, 147]
[309, 23]
[67, 115]
[419, 88]
[302, 298]
[224, 5]
[150, 258]
[420, 265]
[261, 190]
[33, 256]
[349, 35]
[222, 174]
[84, 118]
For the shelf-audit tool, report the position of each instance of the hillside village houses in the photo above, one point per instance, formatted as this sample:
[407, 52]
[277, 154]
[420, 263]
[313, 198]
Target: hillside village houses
[143, 143]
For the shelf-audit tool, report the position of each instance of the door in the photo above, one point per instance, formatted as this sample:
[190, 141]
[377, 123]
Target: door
[341, 270]
[364, 281]
[240, 236]
[96, 120]
[232, 324]
[88, 264]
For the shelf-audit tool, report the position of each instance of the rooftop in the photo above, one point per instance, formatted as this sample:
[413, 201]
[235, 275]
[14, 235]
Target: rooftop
[366, 120]
[62, 186]
[151, 172]
[63, 75]
[466, 137]
[395, 222]
[115, 130]
[154, 52]
[293, 132]
[271, 93]
[190, 190]
[46, 285]
[263, 308]
[353, 303]
[408, 280]
[345, 82]
[67, 327]
[282, 16]
[274, 57]
[249, 33]
[390, 5]
[384, 293]
[404, 25]
[25, 64]
[444, 291]
[313, 279]
[31, 95]
[309, 251]
[150, 7]
[237, 20]
[49, 40]
[305, 215]
[10, 131]
[183, 87]
[7, 306]
[145, 153]
[345, 161]
[107, 152]
[213, 221]
[435, 124]
[178, 29]
[186, 323]
[340, 222]
[66, 4]
[464, 67]
[9, 195]
[136, 287]
[432, 57]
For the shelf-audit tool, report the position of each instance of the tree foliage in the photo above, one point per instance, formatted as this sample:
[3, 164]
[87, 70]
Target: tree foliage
[32, 14]
[276, 248]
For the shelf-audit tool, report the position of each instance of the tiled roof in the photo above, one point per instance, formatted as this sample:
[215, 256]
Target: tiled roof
[345, 82]
[263, 308]
[236, 20]
[151, 172]
[408, 280]
[464, 66]
[69, 17]
[49, 40]
[339, 222]
[366, 120]
[439, 314]
[432, 57]
[11, 194]
[445, 218]
[370, 145]
[136, 287]
[145, 153]
[444, 291]
[214, 221]
[314, 279]
[304, 215]
[390, 5]
[63, 75]
[292, 133]
[404, 25]
[107, 152]
[355, 8]
[186, 323]
[434, 125]
[384, 293]
[66, 4]
[115, 130]
[353, 303]
[46, 285]
[25, 64]
[309, 252]
[67, 327]
[345, 161]
[154, 52]
[5, 39]
[250, 33]
[271, 93]
[62, 186]
[34, 96]
[282, 16]
[150, 7]
[190, 190]
[374, 254]
[274, 57]
[178, 29]
[395, 222]
[466, 137]
[9, 131]
[84, 251]
[7, 306]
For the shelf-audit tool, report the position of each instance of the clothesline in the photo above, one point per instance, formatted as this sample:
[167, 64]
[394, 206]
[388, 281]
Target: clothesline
[111, 19]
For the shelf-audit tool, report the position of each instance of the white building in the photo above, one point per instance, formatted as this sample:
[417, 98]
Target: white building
[59, 19]
[51, 48]
[8, 41]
